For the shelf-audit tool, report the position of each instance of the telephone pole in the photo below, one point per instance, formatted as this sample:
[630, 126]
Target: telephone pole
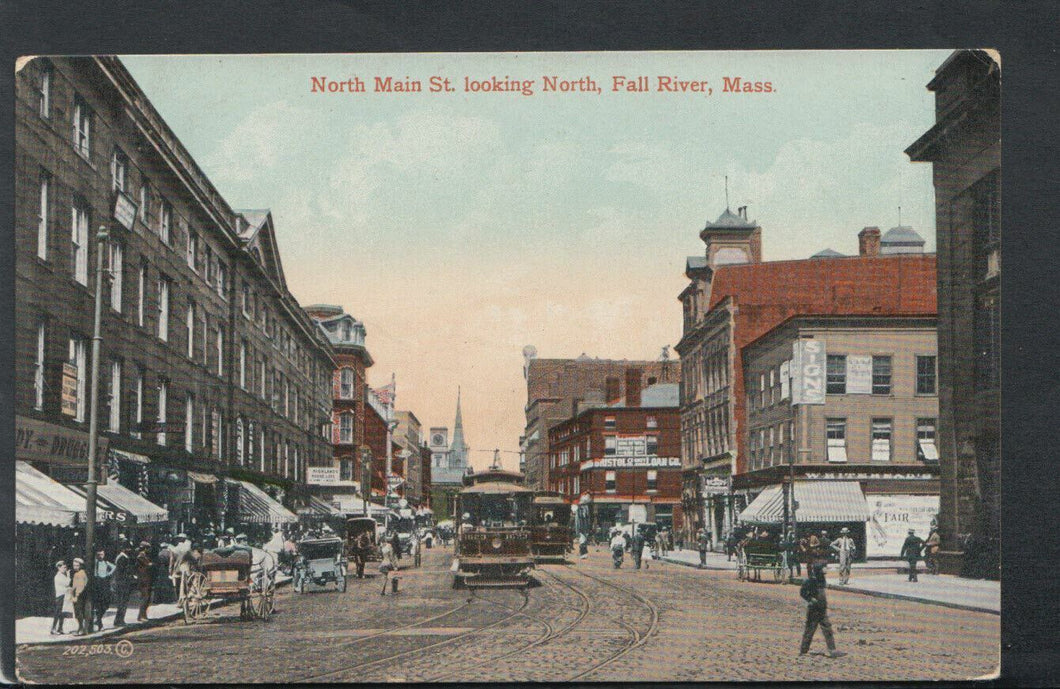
[93, 420]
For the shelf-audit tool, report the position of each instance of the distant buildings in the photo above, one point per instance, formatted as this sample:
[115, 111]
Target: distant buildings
[964, 147]
[449, 463]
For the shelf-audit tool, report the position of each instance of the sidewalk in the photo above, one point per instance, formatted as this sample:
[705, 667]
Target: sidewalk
[879, 578]
[37, 630]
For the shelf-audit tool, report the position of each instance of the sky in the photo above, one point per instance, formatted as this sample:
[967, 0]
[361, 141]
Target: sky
[460, 226]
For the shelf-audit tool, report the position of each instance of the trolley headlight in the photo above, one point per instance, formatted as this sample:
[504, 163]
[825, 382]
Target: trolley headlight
[496, 543]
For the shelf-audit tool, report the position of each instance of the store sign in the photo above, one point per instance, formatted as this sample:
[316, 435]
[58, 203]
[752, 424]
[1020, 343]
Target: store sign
[640, 462]
[69, 390]
[322, 476]
[638, 513]
[785, 380]
[859, 375]
[808, 372]
[715, 485]
[39, 441]
[125, 210]
[891, 518]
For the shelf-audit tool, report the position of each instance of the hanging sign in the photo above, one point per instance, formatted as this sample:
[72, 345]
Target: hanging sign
[125, 210]
[859, 375]
[808, 372]
[69, 391]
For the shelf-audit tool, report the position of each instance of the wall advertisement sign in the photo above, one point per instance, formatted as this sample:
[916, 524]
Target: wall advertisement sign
[715, 485]
[808, 372]
[39, 441]
[322, 476]
[631, 445]
[892, 517]
[125, 210]
[69, 390]
[640, 462]
[859, 375]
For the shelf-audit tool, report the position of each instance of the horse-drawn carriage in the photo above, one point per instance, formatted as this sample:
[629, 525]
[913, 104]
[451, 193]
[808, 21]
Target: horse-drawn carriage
[237, 573]
[362, 542]
[320, 561]
[758, 556]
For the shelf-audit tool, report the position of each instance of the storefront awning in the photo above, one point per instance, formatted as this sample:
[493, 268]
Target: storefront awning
[40, 499]
[319, 507]
[256, 507]
[134, 507]
[818, 501]
[202, 478]
[353, 506]
[130, 456]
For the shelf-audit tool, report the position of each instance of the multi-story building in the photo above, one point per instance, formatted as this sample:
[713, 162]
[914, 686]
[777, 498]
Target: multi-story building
[732, 299]
[619, 461]
[863, 455]
[207, 364]
[964, 147]
[383, 448]
[408, 434]
[449, 463]
[552, 385]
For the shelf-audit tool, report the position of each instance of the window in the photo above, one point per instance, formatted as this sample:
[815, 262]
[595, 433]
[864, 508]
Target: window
[117, 269]
[245, 305]
[193, 250]
[651, 444]
[926, 449]
[220, 350]
[609, 422]
[881, 440]
[881, 375]
[189, 325]
[261, 377]
[610, 445]
[76, 359]
[609, 481]
[114, 398]
[772, 445]
[42, 216]
[82, 126]
[163, 394]
[163, 308]
[243, 365]
[762, 390]
[986, 224]
[837, 374]
[208, 263]
[250, 442]
[79, 240]
[139, 410]
[837, 440]
[239, 441]
[165, 221]
[38, 370]
[189, 423]
[145, 201]
[346, 383]
[345, 428]
[215, 433]
[926, 375]
[141, 296]
[44, 93]
[653, 479]
[287, 458]
[119, 170]
[222, 280]
[652, 422]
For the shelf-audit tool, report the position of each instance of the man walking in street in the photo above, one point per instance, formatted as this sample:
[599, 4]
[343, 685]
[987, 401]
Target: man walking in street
[101, 588]
[703, 543]
[911, 550]
[844, 546]
[122, 580]
[145, 579]
[813, 592]
[637, 548]
[61, 582]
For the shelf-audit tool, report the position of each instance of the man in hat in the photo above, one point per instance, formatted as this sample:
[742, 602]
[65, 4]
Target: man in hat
[61, 581]
[931, 549]
[911, 550]
[101, 587]
[813, 592]
[121, 582]
[825, 545]
[844, 547]
[145, 578]
[79, 596]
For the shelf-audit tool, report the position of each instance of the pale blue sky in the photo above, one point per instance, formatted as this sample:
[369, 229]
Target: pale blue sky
[461, 227]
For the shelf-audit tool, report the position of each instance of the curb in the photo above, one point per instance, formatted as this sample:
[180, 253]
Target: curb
[118, 631]
[915, 599]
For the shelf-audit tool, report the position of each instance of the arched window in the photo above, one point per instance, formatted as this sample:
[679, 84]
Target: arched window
[346, 383]
[239, 441]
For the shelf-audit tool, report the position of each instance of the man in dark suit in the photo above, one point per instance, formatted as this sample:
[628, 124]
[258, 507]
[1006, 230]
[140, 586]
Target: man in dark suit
[813, 592]
[911, 550]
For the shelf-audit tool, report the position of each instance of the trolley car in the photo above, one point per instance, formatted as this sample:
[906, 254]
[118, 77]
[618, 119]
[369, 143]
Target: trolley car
[550, 530]
[493, 531]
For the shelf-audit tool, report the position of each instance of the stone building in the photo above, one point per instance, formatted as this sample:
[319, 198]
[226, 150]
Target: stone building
[208, 365]
[964, 147]
[408, 434]
[730, 304]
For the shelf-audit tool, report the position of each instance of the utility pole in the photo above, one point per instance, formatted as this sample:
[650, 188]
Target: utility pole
[366, 478]
[93, 420]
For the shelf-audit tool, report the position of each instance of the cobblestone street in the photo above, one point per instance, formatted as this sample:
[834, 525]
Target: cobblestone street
[585, 621]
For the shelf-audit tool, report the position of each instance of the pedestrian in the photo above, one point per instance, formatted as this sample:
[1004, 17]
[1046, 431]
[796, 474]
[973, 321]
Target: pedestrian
[825, 546]
[791, 547]
[101, 587]
[730, 545]
[428, 539]
[911, 550]
[813, 592]
[618, 546]
[583, 546]
[660, 544]
[395, 543]
[416, 560]
[844, 547]
[703, 543]
[79, 596]
[61, 583]
[387, 565]
[121, 582]
[637, 548]
[145, 579]
[165, 567]
[931, 551]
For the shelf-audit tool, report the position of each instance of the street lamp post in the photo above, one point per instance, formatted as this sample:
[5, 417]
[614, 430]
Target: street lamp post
[93, 420]
[366, 478]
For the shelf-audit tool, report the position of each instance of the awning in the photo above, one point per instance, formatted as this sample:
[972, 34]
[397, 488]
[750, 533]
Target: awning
[819, 501]
[202, 478]
[129, 456]
[256, 507]
[353, 506]
[125, 505]
[319, 507]
[39, 499]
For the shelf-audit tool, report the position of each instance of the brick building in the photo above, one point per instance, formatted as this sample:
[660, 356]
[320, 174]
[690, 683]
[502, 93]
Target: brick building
[552, 385]
[730, 304]
[964, 147]
[606, 458]
[208, 366]
[409, 436]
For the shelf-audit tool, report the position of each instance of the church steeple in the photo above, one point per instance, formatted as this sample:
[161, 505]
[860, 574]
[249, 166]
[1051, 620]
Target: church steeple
[458, 450]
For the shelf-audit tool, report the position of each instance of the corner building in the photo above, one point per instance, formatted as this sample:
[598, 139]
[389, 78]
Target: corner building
[208, 367]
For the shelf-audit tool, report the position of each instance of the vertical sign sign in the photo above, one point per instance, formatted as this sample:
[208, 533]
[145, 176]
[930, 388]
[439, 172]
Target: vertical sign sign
[69, 403]
[785, 380]
[859, 375]
[808, 374]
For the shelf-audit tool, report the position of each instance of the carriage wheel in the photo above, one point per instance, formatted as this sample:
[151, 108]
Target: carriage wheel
[778, 573]
[194, 603]
[265, 602]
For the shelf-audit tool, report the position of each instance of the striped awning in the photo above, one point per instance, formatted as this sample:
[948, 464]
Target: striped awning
[319, 507]
[353, 506]
[818, 501]
[124, 504]
[40, 499]
[202, 478]
[256, 507]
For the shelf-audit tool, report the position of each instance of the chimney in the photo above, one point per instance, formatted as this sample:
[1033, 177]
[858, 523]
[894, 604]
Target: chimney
[742, 211]
[612, 391]
[633, 378]
[869, 241]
